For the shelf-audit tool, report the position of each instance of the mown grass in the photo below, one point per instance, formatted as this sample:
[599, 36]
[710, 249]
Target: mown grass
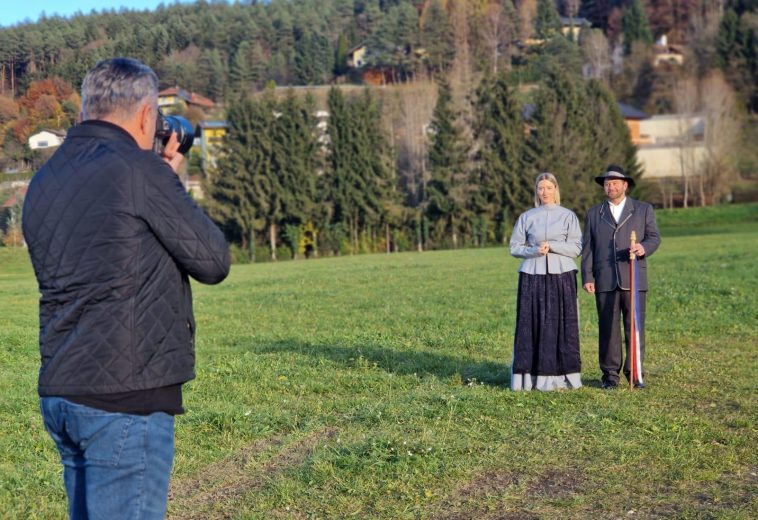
[375, 387]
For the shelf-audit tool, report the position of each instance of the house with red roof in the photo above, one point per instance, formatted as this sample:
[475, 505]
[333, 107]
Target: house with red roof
[176, 99]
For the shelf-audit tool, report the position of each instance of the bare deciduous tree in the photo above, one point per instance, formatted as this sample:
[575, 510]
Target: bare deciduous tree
[571, 7]
[597, 54]
[410, 111]
[722, 128]
[685, 102]
[496, 30]
[527, 10]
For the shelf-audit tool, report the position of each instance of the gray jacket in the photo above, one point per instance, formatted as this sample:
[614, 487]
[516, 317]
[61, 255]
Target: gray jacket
[549, 223]
[605, 254]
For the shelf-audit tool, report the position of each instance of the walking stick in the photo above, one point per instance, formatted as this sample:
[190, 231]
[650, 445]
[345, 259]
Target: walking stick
[633, 311]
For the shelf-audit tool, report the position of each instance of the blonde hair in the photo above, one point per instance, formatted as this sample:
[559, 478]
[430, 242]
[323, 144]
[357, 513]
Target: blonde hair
[546, 176]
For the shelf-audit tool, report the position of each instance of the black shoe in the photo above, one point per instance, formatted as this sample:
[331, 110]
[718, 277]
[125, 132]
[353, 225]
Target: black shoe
[639, 384]
[609, 385]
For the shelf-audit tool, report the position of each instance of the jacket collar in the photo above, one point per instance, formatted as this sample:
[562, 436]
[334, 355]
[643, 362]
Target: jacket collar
[98, 128]
[607, 217]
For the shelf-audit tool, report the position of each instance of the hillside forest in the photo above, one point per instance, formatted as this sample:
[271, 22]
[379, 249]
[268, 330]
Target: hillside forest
[433, 141]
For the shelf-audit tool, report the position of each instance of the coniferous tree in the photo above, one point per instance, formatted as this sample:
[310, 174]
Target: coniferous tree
[395, 40]
[737, 52]
[358, 185]
[578, 130]
[212, 74]
[374, 163]
[726, 40]
[635, 26]
[257, 64]
[306, 70]
[241, 73]
[340, 56]
[438, 38]
[547, 23]
[449, 189]
[504, 180]
[338, 188]
[292, 165]
[243, 174]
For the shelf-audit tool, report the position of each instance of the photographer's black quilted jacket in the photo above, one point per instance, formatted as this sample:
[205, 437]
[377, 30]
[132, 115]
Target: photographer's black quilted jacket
[113, 237]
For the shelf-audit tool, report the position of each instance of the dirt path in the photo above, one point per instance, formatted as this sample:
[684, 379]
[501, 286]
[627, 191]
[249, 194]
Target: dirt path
[213, 492]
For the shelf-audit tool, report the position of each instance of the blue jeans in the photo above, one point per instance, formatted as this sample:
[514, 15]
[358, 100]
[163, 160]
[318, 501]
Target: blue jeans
[115, 465]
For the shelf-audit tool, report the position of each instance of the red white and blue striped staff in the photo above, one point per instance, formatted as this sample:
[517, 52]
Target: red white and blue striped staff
[635, 355]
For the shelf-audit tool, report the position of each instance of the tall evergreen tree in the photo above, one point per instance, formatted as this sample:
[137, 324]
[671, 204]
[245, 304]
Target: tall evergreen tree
[340, 56]
[212, 74]
[243, 174]
[294, 148]
[547, 23]
[635, 26]
[449, 189]
[358, 185]
[737, 52]
[438, 38]
[241, 73]
[375, 164]
[503, 176]
[340, 188]
[578, 130]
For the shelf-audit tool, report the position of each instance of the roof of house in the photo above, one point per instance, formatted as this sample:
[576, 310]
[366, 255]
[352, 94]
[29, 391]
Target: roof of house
[59, 133]
[213, 124]
[190, 97]
[629, 112]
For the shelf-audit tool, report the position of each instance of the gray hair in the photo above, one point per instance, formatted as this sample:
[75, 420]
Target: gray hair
[116, 87]
[546, 176]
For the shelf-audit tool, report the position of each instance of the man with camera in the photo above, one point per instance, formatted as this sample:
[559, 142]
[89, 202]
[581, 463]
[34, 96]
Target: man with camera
[114, 238]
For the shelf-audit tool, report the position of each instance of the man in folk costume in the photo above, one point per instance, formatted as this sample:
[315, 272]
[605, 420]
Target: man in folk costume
[606, 253]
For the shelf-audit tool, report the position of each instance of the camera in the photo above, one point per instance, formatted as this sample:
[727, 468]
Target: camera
[165, 125]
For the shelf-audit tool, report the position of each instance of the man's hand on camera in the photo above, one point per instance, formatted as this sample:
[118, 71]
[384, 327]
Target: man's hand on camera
[171, 153]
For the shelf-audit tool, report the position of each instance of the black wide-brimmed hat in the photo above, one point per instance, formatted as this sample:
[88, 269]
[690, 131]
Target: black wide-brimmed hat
[614, 171]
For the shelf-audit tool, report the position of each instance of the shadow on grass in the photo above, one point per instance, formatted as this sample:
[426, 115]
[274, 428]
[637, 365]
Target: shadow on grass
[420, 363]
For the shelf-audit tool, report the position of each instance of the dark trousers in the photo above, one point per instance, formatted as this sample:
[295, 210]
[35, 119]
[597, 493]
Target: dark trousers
[611, 306]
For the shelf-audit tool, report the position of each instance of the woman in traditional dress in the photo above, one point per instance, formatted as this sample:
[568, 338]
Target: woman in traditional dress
[546, 346]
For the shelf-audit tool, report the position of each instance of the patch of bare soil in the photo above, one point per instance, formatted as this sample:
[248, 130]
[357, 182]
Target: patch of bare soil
[205, 496]
[467, 502]
[470, 500]
[555, 484]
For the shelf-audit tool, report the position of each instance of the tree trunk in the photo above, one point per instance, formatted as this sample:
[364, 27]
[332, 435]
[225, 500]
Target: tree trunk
[686, 192]
[272, 239]
[454, 232]
[419, 234]
[387, 237]
[251, 245]
[355, 234]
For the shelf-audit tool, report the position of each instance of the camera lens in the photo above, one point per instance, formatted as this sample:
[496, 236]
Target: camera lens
[165, 125]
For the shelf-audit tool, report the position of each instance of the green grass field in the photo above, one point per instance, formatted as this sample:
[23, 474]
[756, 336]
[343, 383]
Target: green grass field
[376, 387]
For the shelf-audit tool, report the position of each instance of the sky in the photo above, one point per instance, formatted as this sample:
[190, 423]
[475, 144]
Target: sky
[13, 12]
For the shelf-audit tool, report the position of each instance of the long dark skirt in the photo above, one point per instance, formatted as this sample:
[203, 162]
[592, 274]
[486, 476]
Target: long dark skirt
[547, 332]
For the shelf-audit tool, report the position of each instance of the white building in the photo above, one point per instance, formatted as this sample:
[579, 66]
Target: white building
[46, 139]
[671, 145]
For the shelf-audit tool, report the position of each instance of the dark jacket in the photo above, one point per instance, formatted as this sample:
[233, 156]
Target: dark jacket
[113, 238]
[605, 245]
